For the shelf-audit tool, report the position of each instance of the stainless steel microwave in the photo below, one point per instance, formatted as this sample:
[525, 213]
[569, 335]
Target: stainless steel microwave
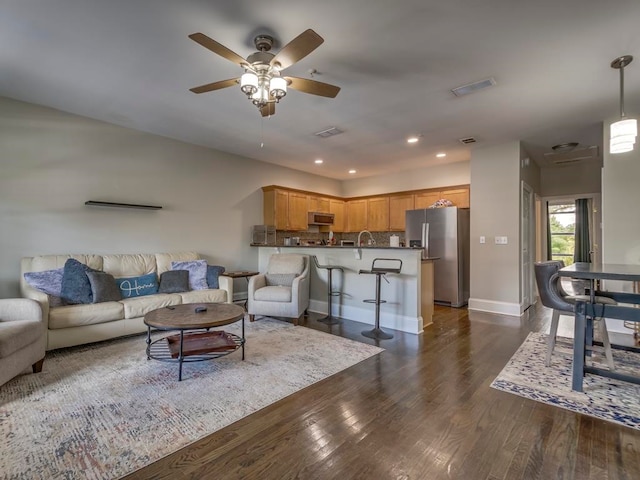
[317, 218]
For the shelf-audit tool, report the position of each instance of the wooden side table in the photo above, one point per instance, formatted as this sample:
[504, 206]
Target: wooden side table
[241, 274]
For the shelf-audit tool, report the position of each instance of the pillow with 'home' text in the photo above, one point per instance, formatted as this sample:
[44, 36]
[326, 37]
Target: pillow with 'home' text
[138, 286]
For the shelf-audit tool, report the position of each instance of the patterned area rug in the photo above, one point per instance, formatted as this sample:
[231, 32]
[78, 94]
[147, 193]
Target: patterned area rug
[102, 411]
[607, 399]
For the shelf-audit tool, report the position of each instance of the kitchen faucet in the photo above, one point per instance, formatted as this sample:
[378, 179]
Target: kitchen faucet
[372, 241]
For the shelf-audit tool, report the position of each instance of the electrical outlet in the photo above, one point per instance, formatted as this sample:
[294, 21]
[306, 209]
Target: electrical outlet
[483, 239]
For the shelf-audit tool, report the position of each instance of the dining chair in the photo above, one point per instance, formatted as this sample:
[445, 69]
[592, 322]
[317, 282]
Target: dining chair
[553, 296]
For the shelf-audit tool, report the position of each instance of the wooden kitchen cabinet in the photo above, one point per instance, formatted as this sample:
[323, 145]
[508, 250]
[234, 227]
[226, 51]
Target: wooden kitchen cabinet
[426, 199]
[459, 196]
[298, 208]
[398, 205]
[337, 207]
[318, 204]
[378, 214]
[276, 208]
[356, 215]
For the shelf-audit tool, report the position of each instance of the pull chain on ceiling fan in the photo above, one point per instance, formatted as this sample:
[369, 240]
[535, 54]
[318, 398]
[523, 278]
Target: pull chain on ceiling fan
[262, 81]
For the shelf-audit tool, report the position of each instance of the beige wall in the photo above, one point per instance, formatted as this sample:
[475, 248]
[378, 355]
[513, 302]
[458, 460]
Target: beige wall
[52, 162]
[570, 179]
[428, 177]
[495, 196]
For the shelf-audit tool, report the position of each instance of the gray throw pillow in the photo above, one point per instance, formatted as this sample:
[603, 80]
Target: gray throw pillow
[197, 272]
[76, 288]
[279, 279]
[49, 282]
[213, 272]
[103, 287]
[174, 281]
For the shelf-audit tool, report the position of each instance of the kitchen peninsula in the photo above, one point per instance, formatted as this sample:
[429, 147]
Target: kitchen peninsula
[408, 295]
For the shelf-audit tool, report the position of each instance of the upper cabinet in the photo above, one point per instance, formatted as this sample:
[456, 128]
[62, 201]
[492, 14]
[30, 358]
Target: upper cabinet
[356, 215]
[337, 207]
[398, 205]
[378, 214]
[287, 208]
[318, 204]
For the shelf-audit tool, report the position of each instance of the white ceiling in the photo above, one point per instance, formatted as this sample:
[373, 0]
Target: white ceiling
[130, 62]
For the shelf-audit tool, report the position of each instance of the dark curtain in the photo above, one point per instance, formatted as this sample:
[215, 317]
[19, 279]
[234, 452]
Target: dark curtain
[583, 243]
[549, 257]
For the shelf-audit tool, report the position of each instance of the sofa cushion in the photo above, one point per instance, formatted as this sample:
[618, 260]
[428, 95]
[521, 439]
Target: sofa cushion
[76, 288]
[78, 315]
[279, 279]
[49, 262]
[138, 286]
[204, 296]
[129, 265]
[174, 281]
[273, 294]
[139, 306]
[213, 272]
[286, 263]
[18, 334]
[103, 287]
[197, 273]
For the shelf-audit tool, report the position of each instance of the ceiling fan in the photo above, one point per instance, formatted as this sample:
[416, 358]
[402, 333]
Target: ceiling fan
[262, 81]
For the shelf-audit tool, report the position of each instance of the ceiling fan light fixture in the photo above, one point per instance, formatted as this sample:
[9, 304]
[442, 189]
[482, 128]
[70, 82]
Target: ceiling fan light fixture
[277, 87]
[249, 83]
[624, 131]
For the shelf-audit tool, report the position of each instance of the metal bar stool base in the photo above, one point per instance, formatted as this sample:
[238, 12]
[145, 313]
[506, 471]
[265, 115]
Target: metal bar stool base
[330, 320]
[377, 334]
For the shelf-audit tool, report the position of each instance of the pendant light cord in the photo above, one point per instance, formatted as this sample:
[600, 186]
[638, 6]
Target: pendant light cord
[622, 89]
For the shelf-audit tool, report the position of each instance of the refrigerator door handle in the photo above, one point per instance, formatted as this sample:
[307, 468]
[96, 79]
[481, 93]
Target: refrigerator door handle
[425, 240]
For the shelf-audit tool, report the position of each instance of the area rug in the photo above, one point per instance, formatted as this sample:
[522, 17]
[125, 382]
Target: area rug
[604, 398]
[102, 411]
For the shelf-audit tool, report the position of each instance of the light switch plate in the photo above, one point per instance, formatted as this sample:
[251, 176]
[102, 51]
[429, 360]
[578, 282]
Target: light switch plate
[483, 239]
[501, 240]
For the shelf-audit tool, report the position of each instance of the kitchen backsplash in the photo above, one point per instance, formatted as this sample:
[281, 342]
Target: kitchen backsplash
[312, 238]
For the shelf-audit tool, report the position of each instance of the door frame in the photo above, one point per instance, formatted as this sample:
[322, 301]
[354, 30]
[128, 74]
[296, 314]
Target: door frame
[527, 246]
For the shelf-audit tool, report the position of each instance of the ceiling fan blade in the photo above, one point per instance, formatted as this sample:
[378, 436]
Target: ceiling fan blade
[311, 86]
[297, 49]
[268, 110]
[209, 87]
[218, 48]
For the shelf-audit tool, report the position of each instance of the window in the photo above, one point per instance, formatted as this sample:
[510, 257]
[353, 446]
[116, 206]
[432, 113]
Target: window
[562, 229]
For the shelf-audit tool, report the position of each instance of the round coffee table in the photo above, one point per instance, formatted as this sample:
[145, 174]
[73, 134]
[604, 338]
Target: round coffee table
[194, 342]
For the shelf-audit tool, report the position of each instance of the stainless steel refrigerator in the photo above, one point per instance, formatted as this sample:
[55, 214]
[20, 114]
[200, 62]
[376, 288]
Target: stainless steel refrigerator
[443, 233]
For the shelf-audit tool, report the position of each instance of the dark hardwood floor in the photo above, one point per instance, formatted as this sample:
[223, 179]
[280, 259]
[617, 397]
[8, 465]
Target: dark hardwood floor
[422, 409]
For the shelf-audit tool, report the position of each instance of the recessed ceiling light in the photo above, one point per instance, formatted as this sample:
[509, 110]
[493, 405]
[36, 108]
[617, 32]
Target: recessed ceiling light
[441, 154]
[352, 171]
[318, 161]
[413, 140]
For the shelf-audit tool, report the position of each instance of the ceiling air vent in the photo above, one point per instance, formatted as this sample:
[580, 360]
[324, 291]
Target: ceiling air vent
[329, 132]
[560, 157]
[473, 87]
[467, 140]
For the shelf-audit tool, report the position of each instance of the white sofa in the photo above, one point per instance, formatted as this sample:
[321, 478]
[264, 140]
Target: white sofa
[78, 324]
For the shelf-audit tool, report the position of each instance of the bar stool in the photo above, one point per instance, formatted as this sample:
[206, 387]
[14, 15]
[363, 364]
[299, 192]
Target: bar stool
[380, 271]
[329, 319]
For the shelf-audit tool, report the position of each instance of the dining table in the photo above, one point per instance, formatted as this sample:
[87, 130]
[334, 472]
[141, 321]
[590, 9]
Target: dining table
[627, 309]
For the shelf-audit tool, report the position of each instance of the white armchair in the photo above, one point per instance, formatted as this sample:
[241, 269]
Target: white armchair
[283, 290]
[23, 337]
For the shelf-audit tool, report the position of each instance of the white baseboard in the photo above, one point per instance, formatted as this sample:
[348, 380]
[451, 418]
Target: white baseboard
[491, 306]
[367, 315]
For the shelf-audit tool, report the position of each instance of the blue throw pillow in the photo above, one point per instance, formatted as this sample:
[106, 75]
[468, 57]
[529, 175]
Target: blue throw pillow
[76, 288]
[138, 286]
[213, 272]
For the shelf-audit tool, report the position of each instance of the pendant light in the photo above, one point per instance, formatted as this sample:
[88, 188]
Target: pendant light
[624, 131]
